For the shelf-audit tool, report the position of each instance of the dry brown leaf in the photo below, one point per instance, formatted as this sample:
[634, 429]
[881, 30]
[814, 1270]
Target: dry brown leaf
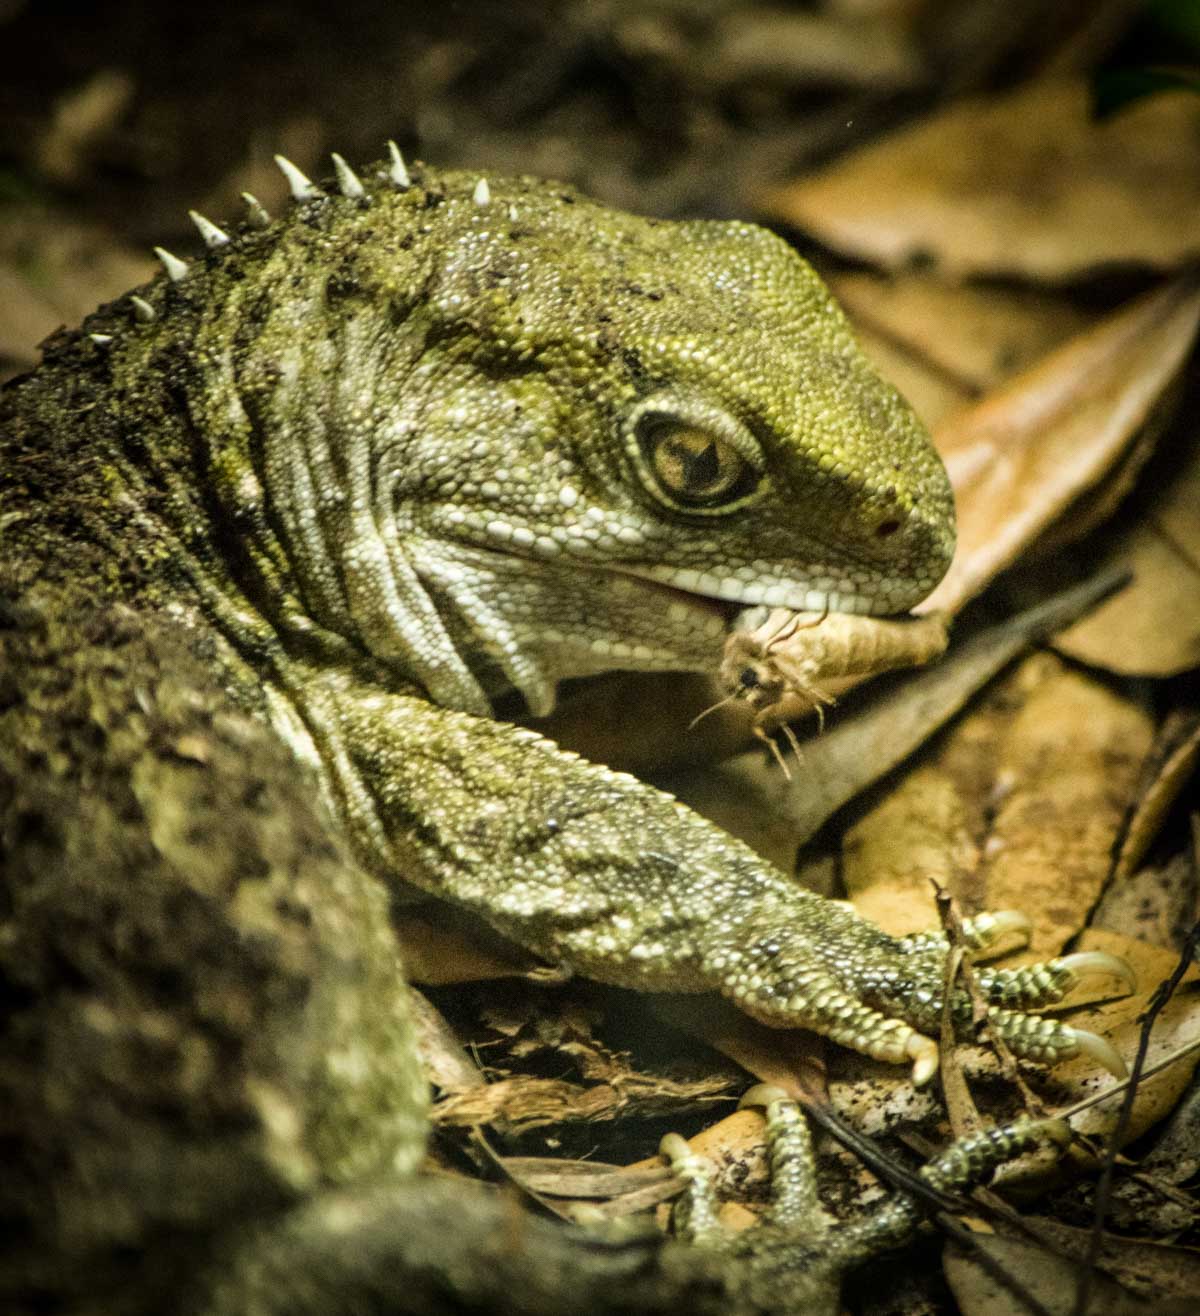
[1152, 1269]
[1019, 809]
[1119, 1021]
[1026, 184]
[1050, 1279]
[1021, 457]
[918, 834]
[439, 950]
[1175, 758]
[1153, 628]
[1068, 769]
[972, 337]
[1157, 904]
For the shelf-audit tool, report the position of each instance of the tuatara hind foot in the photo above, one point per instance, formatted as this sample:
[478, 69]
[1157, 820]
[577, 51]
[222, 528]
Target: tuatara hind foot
[793, 1259]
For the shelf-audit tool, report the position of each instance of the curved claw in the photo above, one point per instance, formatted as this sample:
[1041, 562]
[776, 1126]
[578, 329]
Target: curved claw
[923, 1052]
[1000, 922]
[1100, 1050]
[1098, 961]
[1053, 1129]
[762, 1095]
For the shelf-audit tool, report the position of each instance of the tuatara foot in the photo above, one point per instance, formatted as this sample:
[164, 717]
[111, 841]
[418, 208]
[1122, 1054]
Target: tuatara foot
[882, 996]
[981, 933]
[793, 1259]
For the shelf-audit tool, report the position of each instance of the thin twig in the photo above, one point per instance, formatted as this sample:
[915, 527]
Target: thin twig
[952, 923]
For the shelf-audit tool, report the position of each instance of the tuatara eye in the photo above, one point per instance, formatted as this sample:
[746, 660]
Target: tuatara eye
[690, 465]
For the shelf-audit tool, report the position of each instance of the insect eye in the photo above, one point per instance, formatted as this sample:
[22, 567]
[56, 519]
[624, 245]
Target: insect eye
[693, 468]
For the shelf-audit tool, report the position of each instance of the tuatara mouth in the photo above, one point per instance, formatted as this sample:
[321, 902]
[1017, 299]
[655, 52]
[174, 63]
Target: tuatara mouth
[889, 598]
[729, 597]
[727, 609]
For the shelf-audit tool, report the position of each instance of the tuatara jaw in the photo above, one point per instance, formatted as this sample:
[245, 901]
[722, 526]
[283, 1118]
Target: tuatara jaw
[824, 594]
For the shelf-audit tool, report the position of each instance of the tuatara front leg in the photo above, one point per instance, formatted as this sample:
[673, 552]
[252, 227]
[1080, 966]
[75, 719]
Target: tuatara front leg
[606, 876]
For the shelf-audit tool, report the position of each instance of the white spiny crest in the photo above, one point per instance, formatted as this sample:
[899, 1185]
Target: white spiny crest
[398, 171]
[143, 312]
[256, 215]
[482, 195]
[303, 188]
[101, 340]
[176, 269]
[212, 235]
[348, 180]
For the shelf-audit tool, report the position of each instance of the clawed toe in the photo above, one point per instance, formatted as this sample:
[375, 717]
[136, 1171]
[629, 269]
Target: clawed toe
[1087, 962]
[761, 1095]
[1100, 1049]
[986, 929]
[924, 1054]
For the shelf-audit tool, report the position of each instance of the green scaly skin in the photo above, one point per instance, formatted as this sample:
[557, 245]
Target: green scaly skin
[272, 539]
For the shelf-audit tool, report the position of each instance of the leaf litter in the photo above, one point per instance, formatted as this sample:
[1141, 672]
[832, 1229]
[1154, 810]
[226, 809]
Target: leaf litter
[1054, 790]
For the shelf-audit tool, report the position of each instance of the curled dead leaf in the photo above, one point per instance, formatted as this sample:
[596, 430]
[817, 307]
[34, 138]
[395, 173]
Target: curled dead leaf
[1020, 458]
[1066, 774]
[1153, 629]
[972, 337]
[1177, 754]
[1023, 184]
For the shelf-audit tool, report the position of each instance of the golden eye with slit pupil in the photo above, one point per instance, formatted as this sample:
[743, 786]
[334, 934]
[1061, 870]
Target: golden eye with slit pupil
[693, 465]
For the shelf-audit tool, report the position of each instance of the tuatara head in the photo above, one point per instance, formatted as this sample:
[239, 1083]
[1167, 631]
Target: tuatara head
[648, 402]
[503, 435]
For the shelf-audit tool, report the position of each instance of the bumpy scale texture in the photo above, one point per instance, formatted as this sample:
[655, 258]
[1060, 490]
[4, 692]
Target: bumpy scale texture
[324, 492]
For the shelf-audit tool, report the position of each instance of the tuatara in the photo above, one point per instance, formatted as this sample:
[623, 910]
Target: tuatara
[275, 533]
